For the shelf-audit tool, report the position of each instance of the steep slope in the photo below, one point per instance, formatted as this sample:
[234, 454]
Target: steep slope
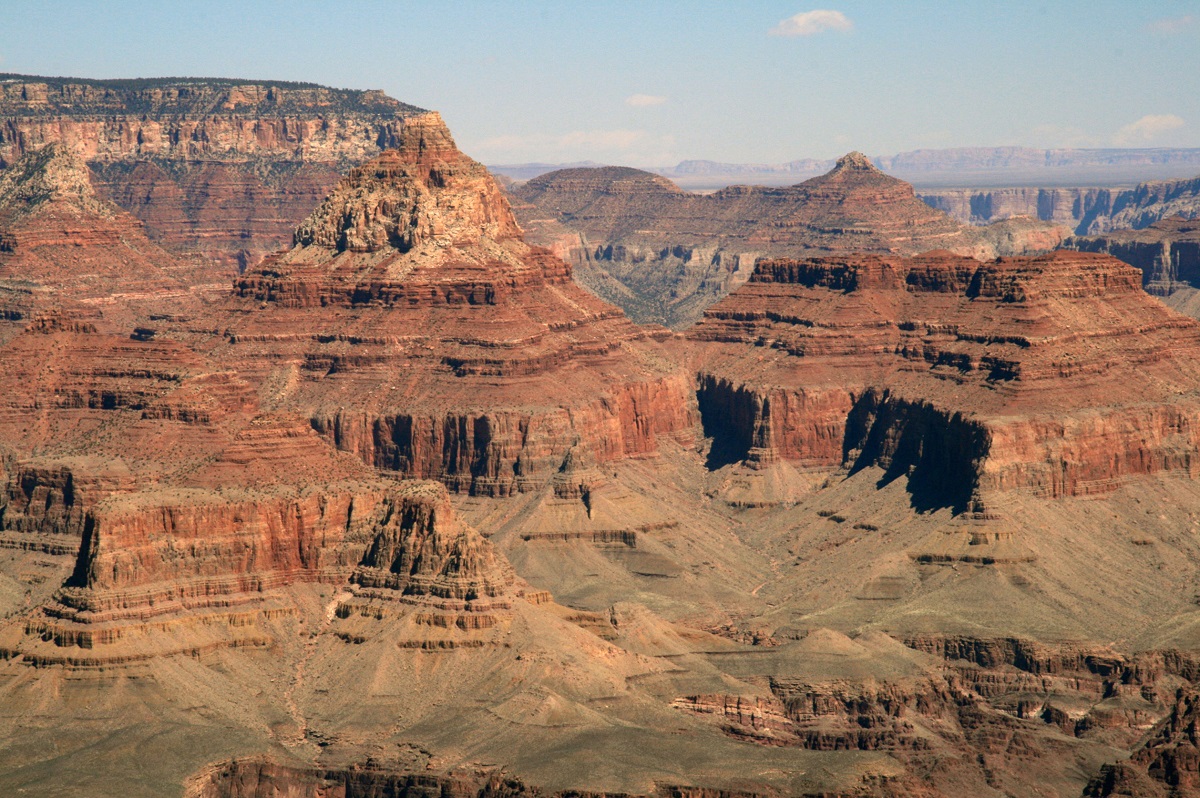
[664, 254]
[222, 168]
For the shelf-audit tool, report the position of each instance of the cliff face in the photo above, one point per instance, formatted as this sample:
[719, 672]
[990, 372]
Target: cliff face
[165, 571]
[1087, 211]
[1072, 208]
[664, 254]
[220, 168]
[964, 377]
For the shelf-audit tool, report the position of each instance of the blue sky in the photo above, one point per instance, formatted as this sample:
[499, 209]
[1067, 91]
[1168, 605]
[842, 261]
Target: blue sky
[651, 83]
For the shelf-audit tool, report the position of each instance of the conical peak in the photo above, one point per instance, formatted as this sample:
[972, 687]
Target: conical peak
[855, 161]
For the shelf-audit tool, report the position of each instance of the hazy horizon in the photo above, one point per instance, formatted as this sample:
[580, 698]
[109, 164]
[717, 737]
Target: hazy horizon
[652, 85]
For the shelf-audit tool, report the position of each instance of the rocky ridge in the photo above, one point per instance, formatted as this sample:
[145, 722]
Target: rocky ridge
[894, 362]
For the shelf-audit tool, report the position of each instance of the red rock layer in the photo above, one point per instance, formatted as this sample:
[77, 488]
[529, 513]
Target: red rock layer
[427, 337]
[1009, 374]
[158, 565]
[54, 231]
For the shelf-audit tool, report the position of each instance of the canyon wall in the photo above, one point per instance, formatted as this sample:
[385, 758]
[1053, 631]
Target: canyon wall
[965, 378]
[1087, 211]
[219, 168]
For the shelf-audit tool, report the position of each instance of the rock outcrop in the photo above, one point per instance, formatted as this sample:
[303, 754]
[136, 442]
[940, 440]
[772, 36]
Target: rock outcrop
[965, 377]
[174, 570]
[222, 168]
[664, 254]
[432, 341]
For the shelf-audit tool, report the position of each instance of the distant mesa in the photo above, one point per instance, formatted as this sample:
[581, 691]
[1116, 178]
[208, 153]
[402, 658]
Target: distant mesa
[983, 167]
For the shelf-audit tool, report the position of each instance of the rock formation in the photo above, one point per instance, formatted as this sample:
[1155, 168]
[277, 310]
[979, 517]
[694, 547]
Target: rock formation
[1167, 252]
[434, 342]
[174, 570]
[1071, 208]
[952, 372]
[1087, 211]
[56, 233]
[664, 254]
[222, 168]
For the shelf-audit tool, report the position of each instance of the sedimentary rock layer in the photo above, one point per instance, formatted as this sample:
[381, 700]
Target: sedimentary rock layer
[431, 340]
[157, 567]
[1167, 252]
[1086, 211]
[224, 168]
[967, 377]
[55, 232]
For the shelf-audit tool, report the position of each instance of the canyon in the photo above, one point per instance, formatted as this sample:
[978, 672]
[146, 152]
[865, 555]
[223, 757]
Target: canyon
[398, 508]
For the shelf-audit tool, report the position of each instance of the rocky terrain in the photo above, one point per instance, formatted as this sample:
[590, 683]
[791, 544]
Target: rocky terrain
[664, 254]
[403, 510]
[220, 168]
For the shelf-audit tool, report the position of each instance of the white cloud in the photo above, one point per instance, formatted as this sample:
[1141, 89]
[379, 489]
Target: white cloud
[808, 23]
[644, 100]
[1169, 26]
[1147, 129]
